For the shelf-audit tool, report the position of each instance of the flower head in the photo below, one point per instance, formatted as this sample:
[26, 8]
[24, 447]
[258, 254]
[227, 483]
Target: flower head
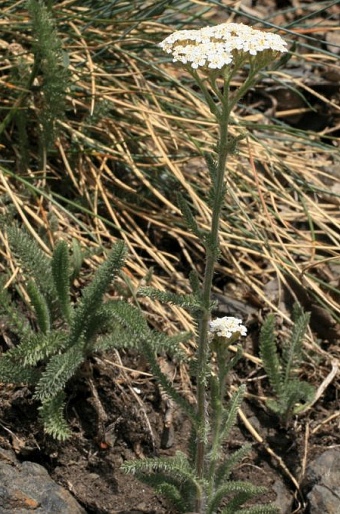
[227, 327]
[219, 46]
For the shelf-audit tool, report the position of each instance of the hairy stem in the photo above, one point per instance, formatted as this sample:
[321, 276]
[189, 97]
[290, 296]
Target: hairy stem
[221, 359]
[212, 247]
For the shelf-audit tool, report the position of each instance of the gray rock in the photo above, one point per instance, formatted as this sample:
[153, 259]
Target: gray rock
[283, 497]
[322, 483]
[27, 488]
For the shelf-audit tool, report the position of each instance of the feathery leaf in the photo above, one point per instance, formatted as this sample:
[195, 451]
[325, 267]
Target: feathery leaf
[224, 470]
[189, 217]
[58, 371]
[40, 307]
[230, 412]
[186, 301]
[269, 355]
[52, 415]
[35, 263]
[242, 492]
[93, 293]
[61, 273]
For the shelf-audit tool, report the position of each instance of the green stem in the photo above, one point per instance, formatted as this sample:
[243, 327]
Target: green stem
[245, 86]
[212, 247]
[224, 365]
[209, 98]
[222, 115]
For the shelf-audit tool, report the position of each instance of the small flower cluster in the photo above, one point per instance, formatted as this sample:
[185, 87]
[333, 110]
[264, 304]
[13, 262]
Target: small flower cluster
[216, 47]
[227, 327]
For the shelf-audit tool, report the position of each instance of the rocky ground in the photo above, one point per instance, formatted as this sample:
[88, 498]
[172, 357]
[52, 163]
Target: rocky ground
[299, 464]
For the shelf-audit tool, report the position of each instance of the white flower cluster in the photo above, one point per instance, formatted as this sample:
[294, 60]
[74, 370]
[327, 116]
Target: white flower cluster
[227, 327]
[215, 47]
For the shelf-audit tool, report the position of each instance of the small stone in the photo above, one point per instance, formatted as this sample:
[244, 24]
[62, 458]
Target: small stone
[27, 487]
[283, 497]
[322, 483]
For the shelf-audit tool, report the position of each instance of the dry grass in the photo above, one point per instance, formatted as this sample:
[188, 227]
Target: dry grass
[134, 133]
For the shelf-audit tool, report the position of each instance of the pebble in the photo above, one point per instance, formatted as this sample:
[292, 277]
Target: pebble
[27, 487]
[322, 483]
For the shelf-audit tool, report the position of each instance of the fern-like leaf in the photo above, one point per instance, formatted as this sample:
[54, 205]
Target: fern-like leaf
[51, 62]
[256, 509]
[242, 491]
[61, 272]
[292, 351]
[269, 355]
[295, 392]
[92, 298]
[37, 346]
[306, 395]
[76, 260]
[34, 262]
[117, 338]
[195, 283]
[230, 412]
[214, 194]
[212, 168]
[185, 301]
[12, 372]
[176, 467]
[133, 323]
[52, 415]
[40, 307]
[166, 384]
[58, 371]
[172, 493]
[189, 217]
[170, 344]
[224, 470]
[130, 317]
[289, 391]
[14, 317]
[279, 407]
[178, 493]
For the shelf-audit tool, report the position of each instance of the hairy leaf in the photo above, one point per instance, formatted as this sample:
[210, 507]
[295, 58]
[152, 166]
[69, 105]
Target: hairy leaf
[189, 217]
[231, 411]
[52, 415]
[61, 277]
[58, 371]
[269, 355]
[92, 298]
[292, 352]
[40, 307]
[242, 491]
[186, 301]
[34, 262]
[224, 470]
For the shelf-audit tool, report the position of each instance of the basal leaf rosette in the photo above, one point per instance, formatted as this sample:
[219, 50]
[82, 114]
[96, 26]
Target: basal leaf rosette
[224, 45]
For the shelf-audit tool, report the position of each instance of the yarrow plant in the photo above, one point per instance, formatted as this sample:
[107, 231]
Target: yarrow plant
[200, 482]
[227, 327]
[223, 45]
